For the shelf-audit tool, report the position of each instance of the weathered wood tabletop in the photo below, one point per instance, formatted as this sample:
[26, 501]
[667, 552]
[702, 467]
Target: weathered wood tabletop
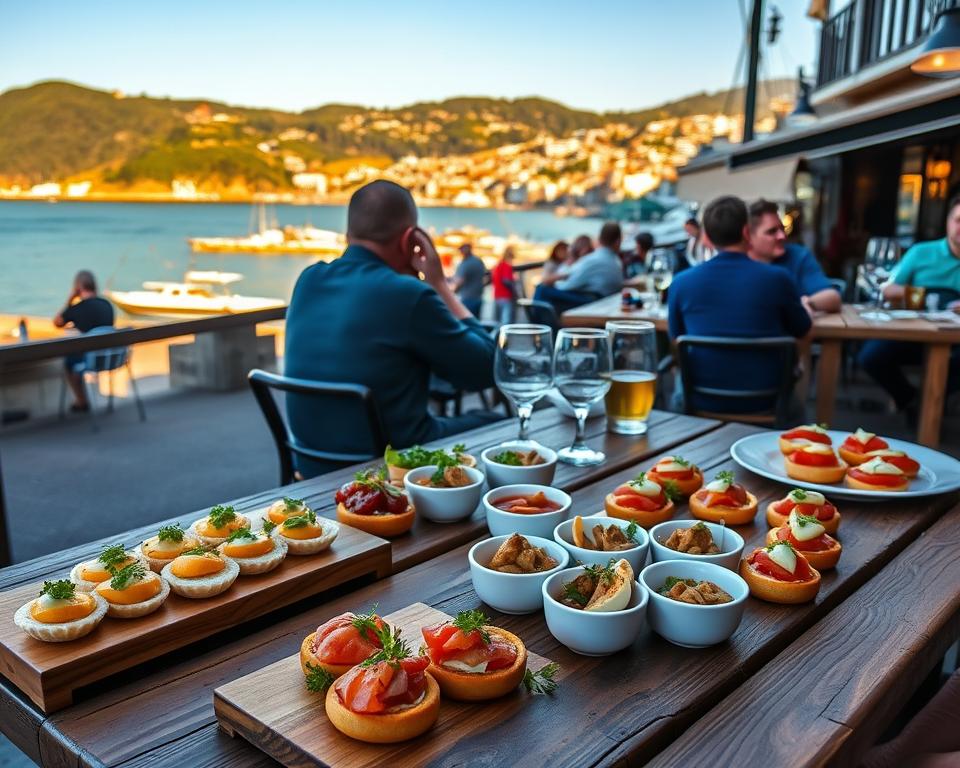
[623, 709]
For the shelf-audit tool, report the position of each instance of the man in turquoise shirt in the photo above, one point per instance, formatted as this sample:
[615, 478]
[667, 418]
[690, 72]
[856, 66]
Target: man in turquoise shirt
[367, 318]
[935, 266]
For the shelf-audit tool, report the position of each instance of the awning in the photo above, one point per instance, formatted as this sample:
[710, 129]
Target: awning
[771, 181]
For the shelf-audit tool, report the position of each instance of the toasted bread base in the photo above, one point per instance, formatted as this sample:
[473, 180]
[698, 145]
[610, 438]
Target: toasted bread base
[640, 517]
[853, 458]
[788, 446]
[378, 525]
[775, 519]
[309, 657]
[480, 686]
[686, 487]
[861, 486]
[774, 591]
[386, 728]
[815, 474]
[729, 515]
[822, 560]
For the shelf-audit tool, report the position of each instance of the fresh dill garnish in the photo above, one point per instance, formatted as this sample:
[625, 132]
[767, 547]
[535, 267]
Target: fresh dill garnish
[543, 681]
[127, 575]
[112, 556]
[241, 533]
[681, 461]
[201, 551]
[268, 525]
[631, 532]
[570, 592]
[724, 476]
[292, 505]
[671, 490]
[221, 515]
[317, 679]
[366, 623]
[59, 590]
[510, 458]
[301, 521]
[171, 533]
[393, 648]
[472, 621]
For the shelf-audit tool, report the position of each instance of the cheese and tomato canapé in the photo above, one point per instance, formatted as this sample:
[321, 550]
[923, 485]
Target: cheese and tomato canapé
[810, 503]
[878, 472]
[862, 442]
[815, 455]
[780, 562]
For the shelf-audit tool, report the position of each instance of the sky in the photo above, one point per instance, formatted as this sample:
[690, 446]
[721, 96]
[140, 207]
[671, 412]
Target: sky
[296, 54]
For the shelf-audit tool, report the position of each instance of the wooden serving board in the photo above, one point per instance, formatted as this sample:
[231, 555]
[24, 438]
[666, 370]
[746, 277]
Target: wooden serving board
[49, 673]
[273, 710]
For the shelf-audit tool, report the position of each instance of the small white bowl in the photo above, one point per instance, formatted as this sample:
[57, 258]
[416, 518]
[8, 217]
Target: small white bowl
[505, 474]
[511, 592]
[586, 632]
[728, 557]
[636, 556]
[443, 505]
[693, 626]
[542, 524]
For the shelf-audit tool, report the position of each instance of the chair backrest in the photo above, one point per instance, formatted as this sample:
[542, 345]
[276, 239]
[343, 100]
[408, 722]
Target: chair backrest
[101, 360]
[540, 312]
[355, 396]
[784, 347]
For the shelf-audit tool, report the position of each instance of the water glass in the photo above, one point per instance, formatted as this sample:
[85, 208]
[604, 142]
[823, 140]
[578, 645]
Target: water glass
[581, 372]
[661, 273]
[523, 367]
[633, 378]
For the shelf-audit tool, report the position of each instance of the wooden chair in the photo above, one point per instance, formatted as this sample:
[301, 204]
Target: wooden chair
[784, 347]
[353, 395]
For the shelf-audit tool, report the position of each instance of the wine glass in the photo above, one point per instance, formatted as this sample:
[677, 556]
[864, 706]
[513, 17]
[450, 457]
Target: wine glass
[581, 371]
[523, 367]
[875, 273]
[661, 274]
[633, 379]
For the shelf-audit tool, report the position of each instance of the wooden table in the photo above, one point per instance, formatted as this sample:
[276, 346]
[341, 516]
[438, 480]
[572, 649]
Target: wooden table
[624, 709]
[831, 330]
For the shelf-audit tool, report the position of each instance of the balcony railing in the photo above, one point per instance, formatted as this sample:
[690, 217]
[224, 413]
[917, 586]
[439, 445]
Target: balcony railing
[869, 31]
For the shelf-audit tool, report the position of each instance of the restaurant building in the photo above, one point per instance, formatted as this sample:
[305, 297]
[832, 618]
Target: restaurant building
[880, 158]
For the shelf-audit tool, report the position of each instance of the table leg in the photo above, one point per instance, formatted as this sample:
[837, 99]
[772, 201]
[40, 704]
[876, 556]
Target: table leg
[934, 393]
[828, 370]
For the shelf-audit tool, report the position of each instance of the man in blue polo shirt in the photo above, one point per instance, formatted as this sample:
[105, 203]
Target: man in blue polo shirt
[768, 244]
[935, 266]
[732, 295]
[592, 277]
[367, 318]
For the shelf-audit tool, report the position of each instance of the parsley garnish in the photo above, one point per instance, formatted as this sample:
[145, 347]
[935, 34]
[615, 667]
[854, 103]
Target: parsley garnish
[602, 573]
[201, 551]
[543, 681]
[317, 679]
[112, 556]
[570, 592]
[171, 533]
[472, 621]
[221, 515]
[724, 476]
[803, 520]
[631, 532]
[376, 479]
[301, 521]
[671, 490]
[292, 505]
[639, 479]
[58, 590]
[268, 525]
[798, 494]
[241, 533]
[510, 458]
[127, 575]
[681, 461]
[458, 449]
[780, 543]
[393, 647]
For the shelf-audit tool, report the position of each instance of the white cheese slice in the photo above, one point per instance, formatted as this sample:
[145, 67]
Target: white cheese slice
[459, 666]
[862, 436]
[878, 466]
[164, 546]
[669, 465]
[718, 486]
[813, 428]
[647, 488]
[885, 452]
[784, 556]
[804, 530]
[809, 497]
[47, 602]
[819, 448]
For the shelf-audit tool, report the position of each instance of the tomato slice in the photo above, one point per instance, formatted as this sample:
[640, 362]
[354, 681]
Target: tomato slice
[761, 561]
[819, 544]
[806, 434]
[873, 444]
[903, 463]
[814, 459]
[885, 481]
[734, 496]
[641, 503]
[683, 474]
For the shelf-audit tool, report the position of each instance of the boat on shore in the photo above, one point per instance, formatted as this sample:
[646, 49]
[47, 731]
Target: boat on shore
[200, 293]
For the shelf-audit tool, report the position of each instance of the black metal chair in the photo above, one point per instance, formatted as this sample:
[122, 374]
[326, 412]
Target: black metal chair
[784, 347]
[540, 312]
[354, 395]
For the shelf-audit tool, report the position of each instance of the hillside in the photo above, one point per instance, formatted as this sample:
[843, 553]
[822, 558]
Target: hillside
[63, 131]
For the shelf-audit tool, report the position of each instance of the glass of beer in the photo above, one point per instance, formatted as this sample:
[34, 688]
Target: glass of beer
[633, 378]
[914, 297]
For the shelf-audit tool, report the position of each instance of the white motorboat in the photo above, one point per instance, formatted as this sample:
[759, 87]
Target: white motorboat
[200, 293]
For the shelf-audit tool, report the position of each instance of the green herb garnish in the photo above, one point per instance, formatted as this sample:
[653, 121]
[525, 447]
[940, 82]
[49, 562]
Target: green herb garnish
[543, 681]
[570, 592]
[317, 679]
[639, 479]
[127, 575]
[59, 590]
[292, 505]
[671, 490]
[366, 623]
[779, 543]
[241, 533]
[171, 533]
[221, 515]
[268, 525]
[510, 458]
[631, 532]
[459, 449]
[681, 461]
[411, 458]
[724, 476]
[393, 647]
[376, 479]
[301, 521]
[472, 621]
[602, 573]
[112, 556]
[201, 551]
[798, 494]
[804, 520]
[671, 581]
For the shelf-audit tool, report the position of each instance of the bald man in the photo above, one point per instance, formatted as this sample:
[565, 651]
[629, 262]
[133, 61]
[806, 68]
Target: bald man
[369, 318]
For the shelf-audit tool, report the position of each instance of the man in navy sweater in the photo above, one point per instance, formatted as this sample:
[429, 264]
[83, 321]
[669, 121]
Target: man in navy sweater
[367, 318]
[732, 295]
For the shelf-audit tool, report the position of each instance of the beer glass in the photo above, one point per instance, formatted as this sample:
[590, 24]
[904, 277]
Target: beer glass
[633, 379]
[581, 371]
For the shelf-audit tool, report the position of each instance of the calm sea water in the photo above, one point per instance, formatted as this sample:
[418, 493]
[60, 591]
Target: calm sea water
[42, 245]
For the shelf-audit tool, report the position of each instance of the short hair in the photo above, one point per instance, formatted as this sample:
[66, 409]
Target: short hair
[466, 249]
[609, 234]
[953, 203]
[380, 211]
[644, 240]
[724, 220]
[760, 208]
[85, 280]
[693, 222]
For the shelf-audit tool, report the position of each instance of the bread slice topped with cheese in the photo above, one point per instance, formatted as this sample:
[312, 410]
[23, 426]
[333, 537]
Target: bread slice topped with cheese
[808, 536]
[642, 500]
[815, 463]
[778, 573]
[796, 438]
[877, 475]
[810, 503]
[724, 501]
[685, 476]
[856, 448]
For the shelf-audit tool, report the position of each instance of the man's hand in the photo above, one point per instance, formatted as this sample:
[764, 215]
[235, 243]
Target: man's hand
[954, 306]
[425, 259]
[807, 305]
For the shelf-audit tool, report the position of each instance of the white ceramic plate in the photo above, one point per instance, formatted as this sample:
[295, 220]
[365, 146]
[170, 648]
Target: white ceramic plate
[939, 473]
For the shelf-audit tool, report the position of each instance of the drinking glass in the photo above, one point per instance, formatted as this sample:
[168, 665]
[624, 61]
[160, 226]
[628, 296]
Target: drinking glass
[581, 371]
[875, 273]
[523, 367]
[633, 378]
[661, 274]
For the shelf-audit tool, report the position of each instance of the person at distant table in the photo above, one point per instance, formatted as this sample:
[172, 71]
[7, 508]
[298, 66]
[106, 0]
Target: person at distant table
[635, 262]
[934, 266]
[84, 310]
[504, 283]
[768, 244]
[469, 278]
[369, 318]
[735, 296]
[557, 260]
[592, 277]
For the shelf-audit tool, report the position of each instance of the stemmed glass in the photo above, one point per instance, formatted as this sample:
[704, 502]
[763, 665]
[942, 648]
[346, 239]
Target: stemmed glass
[581, 371]
[523, 367]
[876, 264]
[661, 274]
